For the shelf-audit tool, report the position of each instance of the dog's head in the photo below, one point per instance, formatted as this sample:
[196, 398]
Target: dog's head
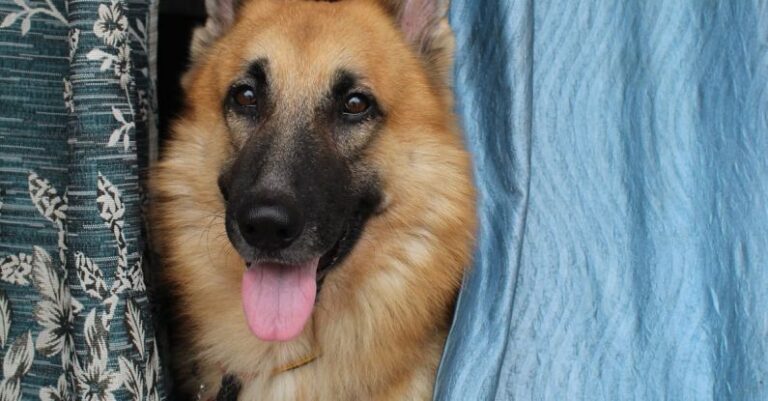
[314, 111]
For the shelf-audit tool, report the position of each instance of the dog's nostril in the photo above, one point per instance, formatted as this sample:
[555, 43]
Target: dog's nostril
[270, 227]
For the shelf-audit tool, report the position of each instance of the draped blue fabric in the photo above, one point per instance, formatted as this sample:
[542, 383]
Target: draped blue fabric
[621, 155]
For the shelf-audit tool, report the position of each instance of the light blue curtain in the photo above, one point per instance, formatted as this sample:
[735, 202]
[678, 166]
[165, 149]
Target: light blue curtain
[621, 152]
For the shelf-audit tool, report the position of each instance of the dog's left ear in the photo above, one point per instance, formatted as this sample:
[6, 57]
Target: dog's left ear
[425, 26]
[221, 17]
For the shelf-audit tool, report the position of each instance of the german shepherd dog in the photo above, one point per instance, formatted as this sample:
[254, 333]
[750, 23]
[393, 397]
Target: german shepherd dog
[314, 207]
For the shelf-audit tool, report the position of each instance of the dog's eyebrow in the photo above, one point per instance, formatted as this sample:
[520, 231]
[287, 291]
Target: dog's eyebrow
[258, 70]
[343, 82]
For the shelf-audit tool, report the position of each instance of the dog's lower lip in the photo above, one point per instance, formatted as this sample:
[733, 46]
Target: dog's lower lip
[250, 264]
[330, 257]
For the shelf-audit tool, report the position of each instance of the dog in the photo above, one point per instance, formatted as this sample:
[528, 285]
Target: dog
[314, 208]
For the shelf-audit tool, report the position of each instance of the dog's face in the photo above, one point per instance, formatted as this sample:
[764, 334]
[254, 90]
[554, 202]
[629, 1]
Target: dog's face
[317, 113]
[301, 115]
[298, 190]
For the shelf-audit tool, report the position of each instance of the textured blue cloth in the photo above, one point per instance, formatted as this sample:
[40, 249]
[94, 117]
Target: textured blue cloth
[621, 152]
[76, 122]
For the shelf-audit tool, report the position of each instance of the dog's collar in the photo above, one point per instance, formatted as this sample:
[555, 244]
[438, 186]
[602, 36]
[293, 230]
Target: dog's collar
[231, 383]
[303, 361]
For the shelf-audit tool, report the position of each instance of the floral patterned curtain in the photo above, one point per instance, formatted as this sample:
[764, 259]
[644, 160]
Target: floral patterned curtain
[76, 137]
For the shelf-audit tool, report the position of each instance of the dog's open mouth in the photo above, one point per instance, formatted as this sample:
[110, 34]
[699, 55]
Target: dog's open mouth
[341, 248]
[278, 298]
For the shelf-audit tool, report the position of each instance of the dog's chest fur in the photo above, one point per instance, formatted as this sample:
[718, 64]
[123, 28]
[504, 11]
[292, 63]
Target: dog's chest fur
[329, 380]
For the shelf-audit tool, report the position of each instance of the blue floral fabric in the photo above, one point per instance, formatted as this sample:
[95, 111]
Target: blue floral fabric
[76, 129]
[621, 155]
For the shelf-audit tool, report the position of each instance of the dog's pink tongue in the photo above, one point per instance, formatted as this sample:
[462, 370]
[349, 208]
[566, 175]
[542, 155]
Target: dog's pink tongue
[278, 299]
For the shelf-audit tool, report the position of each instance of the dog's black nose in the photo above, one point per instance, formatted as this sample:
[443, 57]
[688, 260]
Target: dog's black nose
[270, 226]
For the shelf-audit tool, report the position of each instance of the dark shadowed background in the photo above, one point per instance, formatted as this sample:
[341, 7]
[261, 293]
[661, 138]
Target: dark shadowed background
[177, 20]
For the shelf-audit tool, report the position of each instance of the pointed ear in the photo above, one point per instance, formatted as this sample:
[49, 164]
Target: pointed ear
[221, 17]
[425, 26]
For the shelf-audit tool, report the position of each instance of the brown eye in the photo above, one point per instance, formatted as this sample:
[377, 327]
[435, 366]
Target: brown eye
[356, 104]
[244, 96]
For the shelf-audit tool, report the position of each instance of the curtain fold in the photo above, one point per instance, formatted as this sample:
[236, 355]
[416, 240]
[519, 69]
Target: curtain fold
[620, 153]
[76, 96]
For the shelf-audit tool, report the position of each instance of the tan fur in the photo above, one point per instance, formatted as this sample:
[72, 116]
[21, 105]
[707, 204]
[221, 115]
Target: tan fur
[381, 318]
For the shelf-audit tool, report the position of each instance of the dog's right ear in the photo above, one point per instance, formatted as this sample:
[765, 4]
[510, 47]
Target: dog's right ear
[221, 17]
[424, 24]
